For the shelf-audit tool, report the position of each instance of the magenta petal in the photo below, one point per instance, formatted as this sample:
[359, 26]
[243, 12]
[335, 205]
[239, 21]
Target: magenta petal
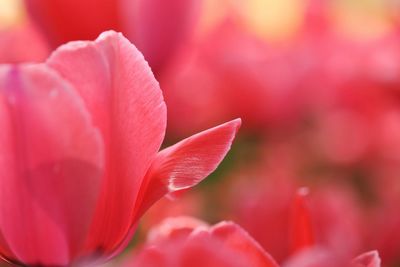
[50, 166]
[368, 259]
[187, 163]
[126, 103]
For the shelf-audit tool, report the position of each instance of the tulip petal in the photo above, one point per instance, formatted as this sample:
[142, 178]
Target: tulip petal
[186, 241]
[183, 165]
[50, 166]
[368, 259]
[187, 163]
[126, 103]
[239, 240]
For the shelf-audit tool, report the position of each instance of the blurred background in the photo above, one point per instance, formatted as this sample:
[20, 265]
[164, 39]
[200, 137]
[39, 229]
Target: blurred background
[316, 83]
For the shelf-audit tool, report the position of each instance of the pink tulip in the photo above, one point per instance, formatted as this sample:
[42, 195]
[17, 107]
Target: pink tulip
[79, 161]
[188, 242]
[184, 242]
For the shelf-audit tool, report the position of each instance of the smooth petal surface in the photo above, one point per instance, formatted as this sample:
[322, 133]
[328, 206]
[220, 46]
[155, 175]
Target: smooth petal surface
[186, 163]
[159, 27]
[68, 20]
[51, 165]
[368, 259]
[126, 103]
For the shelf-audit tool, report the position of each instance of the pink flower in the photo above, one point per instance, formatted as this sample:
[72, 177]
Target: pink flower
[185, 241]
[157, 27]
[79, 160]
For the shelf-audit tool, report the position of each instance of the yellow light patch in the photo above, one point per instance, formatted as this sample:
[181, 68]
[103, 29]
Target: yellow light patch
[11, 13]
[362, 19]
[273, 19]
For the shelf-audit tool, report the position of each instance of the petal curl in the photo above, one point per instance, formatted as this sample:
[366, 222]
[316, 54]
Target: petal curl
[187, 163]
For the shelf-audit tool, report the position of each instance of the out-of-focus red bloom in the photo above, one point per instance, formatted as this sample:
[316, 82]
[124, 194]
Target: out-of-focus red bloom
[79, 161]
[157, 27]
[267, 190]
[309, 254]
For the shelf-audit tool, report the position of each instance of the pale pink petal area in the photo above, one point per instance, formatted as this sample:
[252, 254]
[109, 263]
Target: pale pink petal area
[302, 235]
[126, 103]
[159, 27]
[242, 243]
[13, 44]
[368, 259]
[187, 163]
[50, 166]
[67, 20]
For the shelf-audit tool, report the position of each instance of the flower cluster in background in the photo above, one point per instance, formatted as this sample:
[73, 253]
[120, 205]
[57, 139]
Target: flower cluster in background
[313, 177]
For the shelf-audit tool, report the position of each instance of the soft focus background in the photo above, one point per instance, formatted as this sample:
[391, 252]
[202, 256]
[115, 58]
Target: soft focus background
[316, 83]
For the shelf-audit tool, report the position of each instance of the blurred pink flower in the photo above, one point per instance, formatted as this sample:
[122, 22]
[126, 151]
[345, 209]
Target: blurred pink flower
[158, 28]
[185, 241]
[275, 85]
[79, 161]
[240, 74]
